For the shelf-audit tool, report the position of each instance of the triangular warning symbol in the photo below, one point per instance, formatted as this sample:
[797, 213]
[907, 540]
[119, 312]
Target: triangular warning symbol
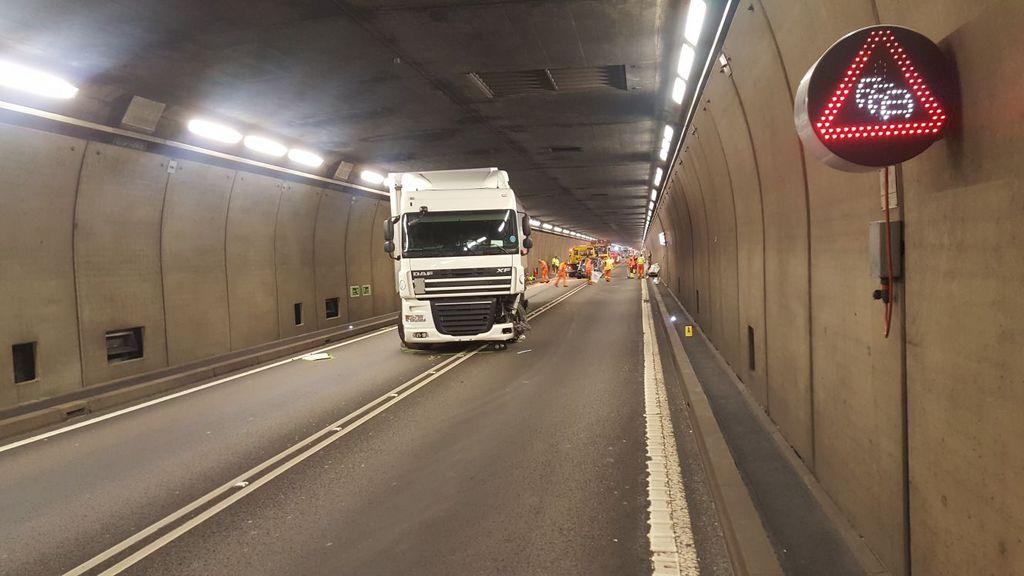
[880, 96]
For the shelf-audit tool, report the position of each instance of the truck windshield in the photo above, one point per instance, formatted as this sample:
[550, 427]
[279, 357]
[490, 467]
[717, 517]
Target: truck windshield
[470, 233]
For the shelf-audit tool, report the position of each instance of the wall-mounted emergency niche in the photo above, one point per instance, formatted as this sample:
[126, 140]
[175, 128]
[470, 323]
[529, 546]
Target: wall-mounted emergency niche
[367, 291]
[332, 308]
[24, 356]
[124, 344]
[353, 291]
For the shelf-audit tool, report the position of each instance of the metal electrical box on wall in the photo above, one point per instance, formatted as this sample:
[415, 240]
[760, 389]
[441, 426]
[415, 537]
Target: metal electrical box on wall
[877, 248]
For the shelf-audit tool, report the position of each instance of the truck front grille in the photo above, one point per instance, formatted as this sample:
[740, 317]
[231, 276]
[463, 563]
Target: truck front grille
[463, 317]
[461, 282]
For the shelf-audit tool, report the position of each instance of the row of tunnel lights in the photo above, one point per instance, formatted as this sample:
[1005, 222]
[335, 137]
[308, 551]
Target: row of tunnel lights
[692, 28]
[40, 83]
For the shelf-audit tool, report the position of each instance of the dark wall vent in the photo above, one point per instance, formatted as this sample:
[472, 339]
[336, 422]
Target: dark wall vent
[514, 82]
[559, 149]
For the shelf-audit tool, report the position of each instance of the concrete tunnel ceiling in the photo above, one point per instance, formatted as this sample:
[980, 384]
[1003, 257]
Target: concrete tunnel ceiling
[399, 84]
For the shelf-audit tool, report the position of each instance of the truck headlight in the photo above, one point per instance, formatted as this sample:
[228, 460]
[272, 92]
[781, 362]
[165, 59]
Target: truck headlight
[411, 318]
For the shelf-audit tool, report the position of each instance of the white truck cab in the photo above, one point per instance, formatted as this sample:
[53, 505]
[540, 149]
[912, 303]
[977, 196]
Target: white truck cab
[458, 239]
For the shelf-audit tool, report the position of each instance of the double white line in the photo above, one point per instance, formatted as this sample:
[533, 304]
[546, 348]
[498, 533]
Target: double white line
[205, 507]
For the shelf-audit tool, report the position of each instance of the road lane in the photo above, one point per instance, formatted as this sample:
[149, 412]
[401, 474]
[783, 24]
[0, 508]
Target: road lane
[70, 496]
[527, 461]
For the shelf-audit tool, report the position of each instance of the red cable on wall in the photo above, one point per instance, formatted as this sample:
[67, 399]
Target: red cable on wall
[889, 288]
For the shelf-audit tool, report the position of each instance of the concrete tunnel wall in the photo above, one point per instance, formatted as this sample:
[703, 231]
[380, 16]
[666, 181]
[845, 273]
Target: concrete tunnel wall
[767, 249]
[209, 260]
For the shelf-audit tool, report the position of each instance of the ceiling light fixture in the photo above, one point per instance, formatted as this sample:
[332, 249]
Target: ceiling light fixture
[678, 90]
[695, 21]
[214, 131]
[686, 57]
[25, 79]
[534, 222]
[547, 226]
[371, 176]
[654, 194]
[658, 175]
[305, 157]
[265, 146]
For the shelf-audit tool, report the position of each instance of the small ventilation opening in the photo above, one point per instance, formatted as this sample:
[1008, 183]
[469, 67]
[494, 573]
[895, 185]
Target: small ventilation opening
[24, 362]
[298, 313]
[124, 345]
[698, 301]
[541, 80]
[560, 149]
[751, 363]
[333, 307]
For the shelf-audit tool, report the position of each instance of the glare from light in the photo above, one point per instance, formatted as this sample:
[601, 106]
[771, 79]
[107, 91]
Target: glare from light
[25, 79]
[650, 205]
[305, 157]
[214, 131]
[663, 154]
[678, 90]
[371, 177]
[654, 194]
[534, 222]
[668, 133]
[672, 319]
[558, 229]
[694, 21]
[265, 146]
[686, 57]
[547, 226]
[658, 175]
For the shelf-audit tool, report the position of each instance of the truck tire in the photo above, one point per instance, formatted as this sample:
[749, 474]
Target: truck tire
[409, 345]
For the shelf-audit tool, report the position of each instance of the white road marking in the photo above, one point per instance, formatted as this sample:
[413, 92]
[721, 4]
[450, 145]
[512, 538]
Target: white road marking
[248, 481]
[670, 532]
[155, 401]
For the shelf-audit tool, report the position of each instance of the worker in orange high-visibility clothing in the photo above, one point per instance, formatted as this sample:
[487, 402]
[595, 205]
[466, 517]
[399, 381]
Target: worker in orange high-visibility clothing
[563, 275]
[544, 272]
[608, 265]
[589, 269]
[640, 261]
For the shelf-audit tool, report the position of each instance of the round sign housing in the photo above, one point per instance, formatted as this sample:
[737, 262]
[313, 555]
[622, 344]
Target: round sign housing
[879, 96]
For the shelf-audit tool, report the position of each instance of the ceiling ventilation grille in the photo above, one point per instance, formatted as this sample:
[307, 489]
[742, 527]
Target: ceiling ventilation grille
[515, 82]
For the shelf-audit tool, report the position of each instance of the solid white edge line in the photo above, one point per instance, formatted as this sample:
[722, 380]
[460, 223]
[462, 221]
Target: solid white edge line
[430, 374]
[670, 532]
[152, 528]
[188, 391]
[181, 393]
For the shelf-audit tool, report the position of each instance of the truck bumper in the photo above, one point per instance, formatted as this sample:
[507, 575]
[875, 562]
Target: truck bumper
[426, 333]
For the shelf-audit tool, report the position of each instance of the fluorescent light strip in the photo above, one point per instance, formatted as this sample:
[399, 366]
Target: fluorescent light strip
[214, 131]
[305, 157]
[32, 81]
[695, 21]
[372, 177]
[686, 57]
[658, 175]
[265, 146]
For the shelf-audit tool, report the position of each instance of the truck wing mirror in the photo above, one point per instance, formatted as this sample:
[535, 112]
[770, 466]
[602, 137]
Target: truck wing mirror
[527, 230]
[389, 231]
[527, 242]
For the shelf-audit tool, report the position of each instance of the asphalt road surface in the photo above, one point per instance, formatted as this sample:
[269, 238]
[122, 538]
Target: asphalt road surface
[529, 460]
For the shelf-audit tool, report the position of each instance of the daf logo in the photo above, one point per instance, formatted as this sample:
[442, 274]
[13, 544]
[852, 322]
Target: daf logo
[422, 273]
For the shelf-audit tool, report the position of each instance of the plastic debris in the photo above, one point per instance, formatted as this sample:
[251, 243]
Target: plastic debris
[524, 351]
[242, 484]
[317, 356]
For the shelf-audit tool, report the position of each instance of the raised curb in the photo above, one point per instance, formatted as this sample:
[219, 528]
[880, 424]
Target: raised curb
[870, 563]
[118, 393]
[750, 549]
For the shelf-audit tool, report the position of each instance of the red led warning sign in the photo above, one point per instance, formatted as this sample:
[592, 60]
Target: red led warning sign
[877, 97]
